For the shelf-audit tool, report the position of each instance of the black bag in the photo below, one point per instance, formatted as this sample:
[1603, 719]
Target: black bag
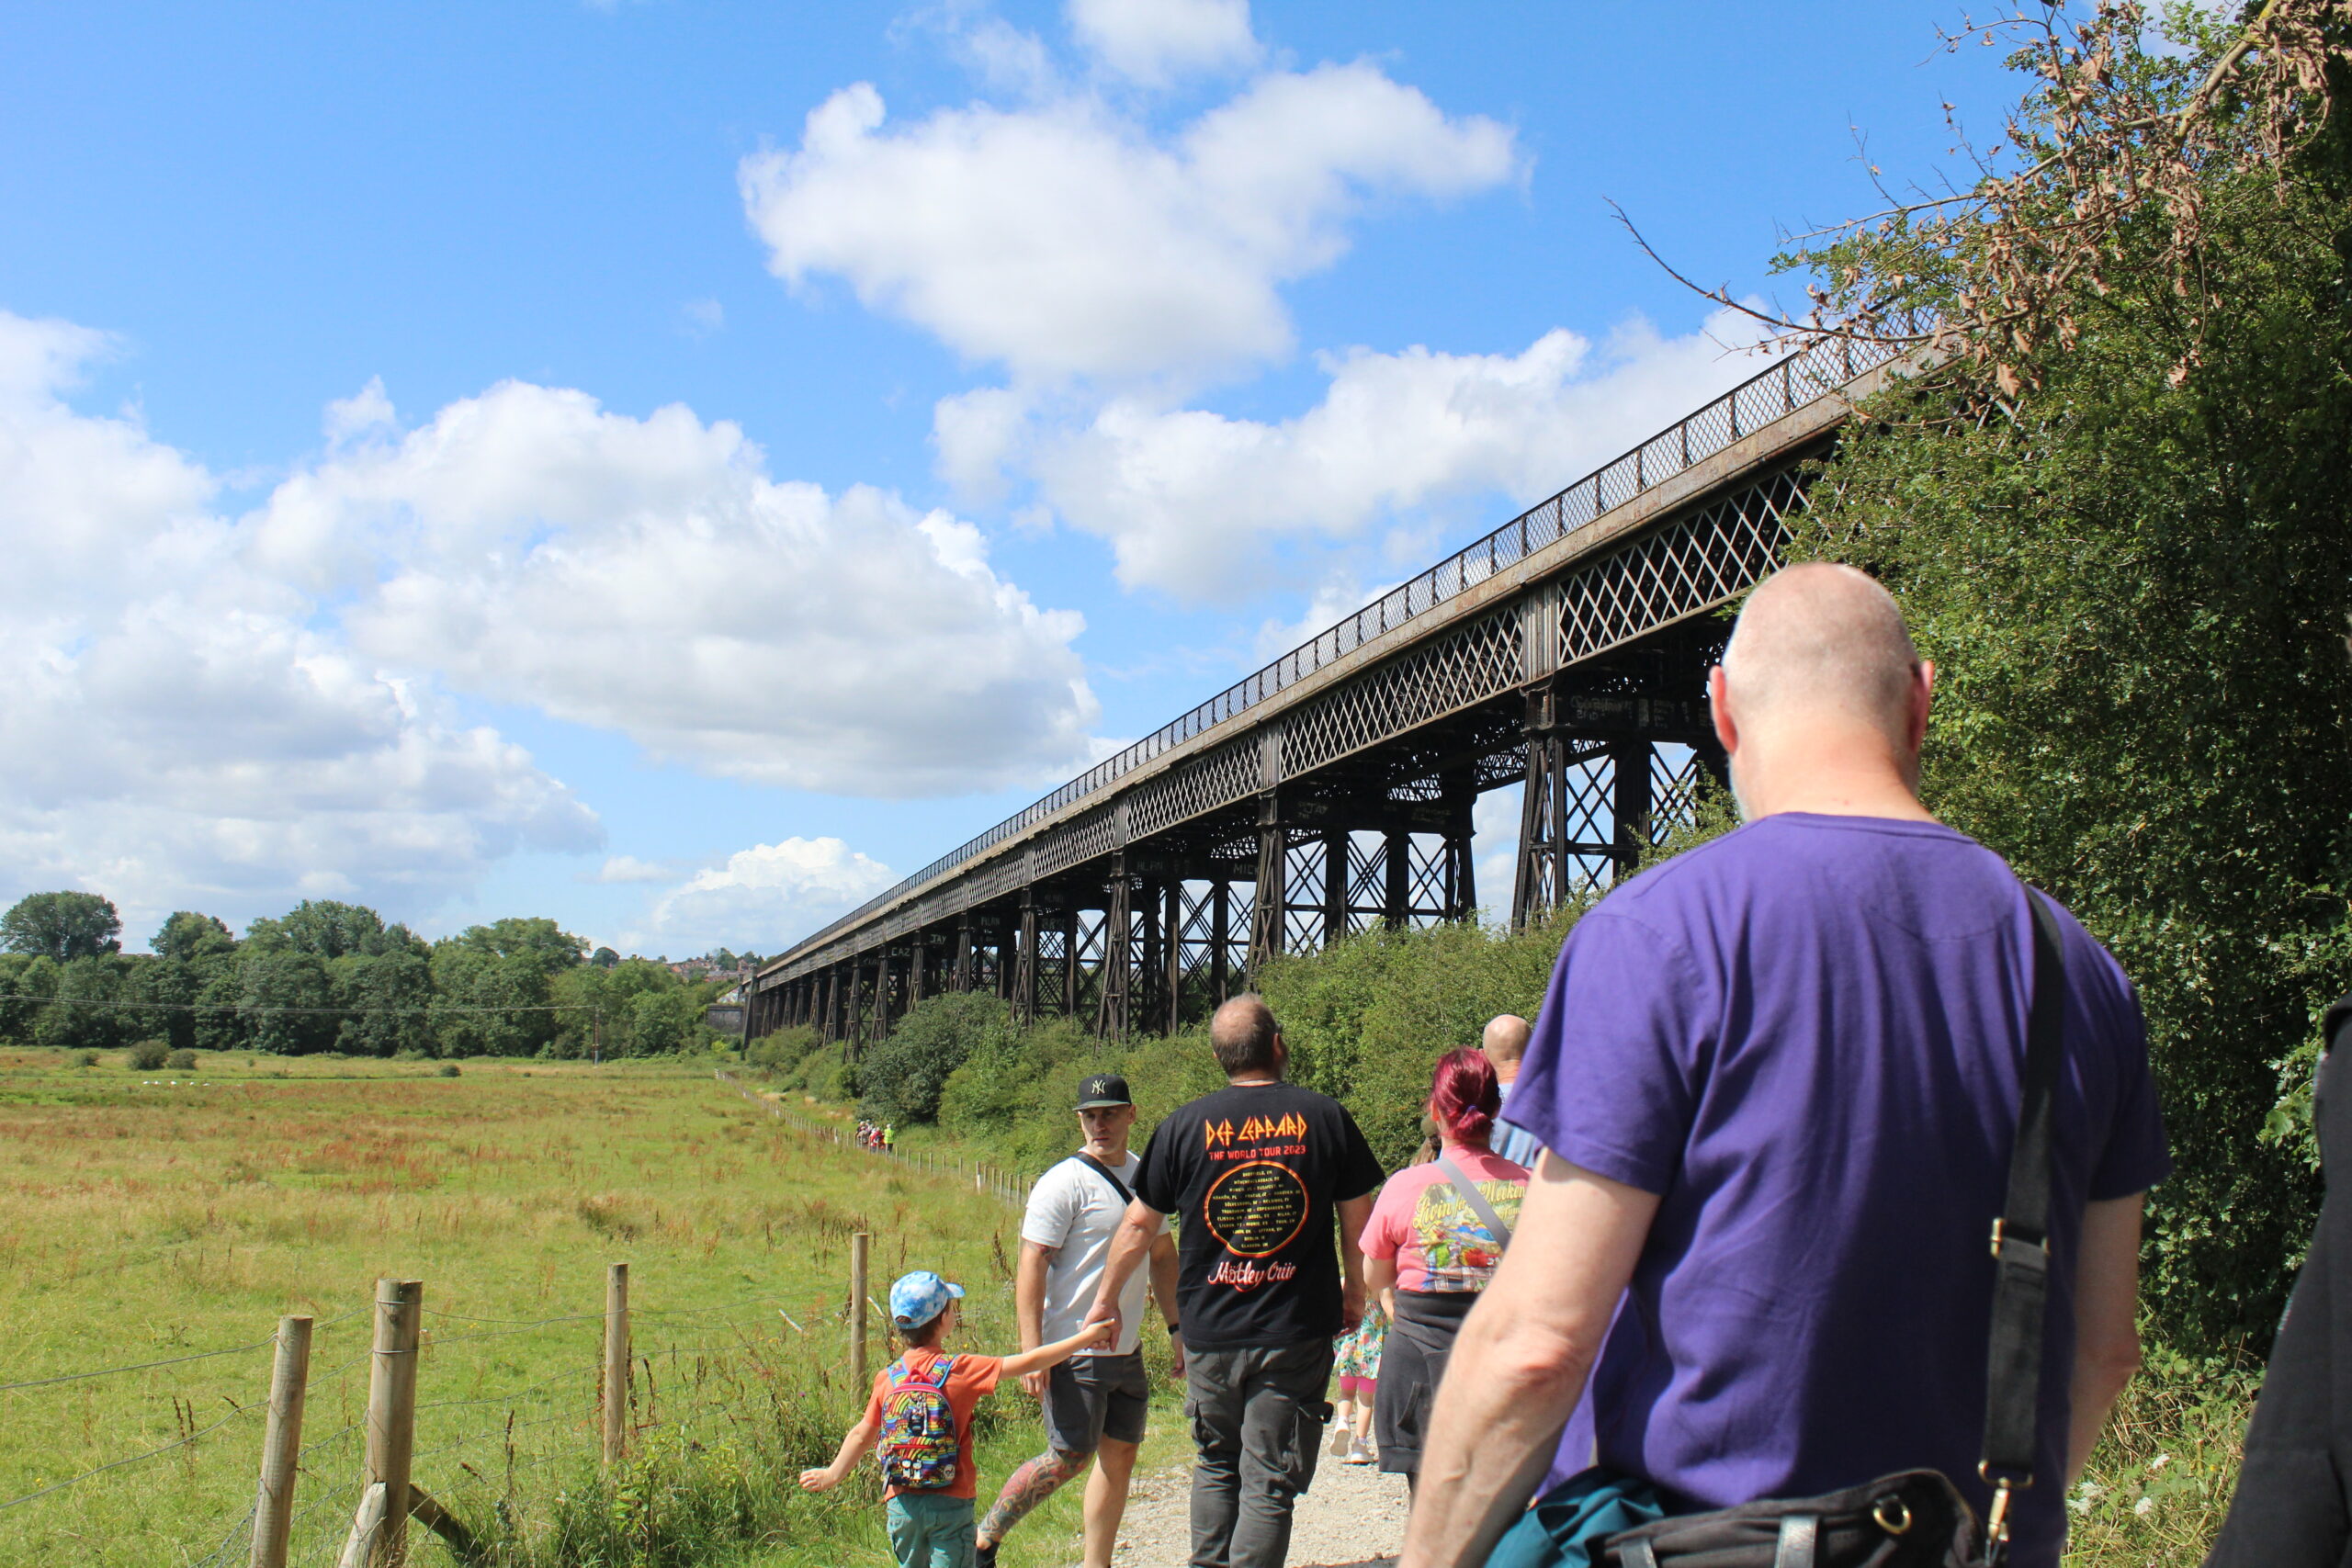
[1916, 1518]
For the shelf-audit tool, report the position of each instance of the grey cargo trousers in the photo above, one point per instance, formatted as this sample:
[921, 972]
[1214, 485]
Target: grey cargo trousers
[1258, 1418]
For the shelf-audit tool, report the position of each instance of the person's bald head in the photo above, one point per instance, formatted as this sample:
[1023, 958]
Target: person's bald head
[1820, 642]
[1243, 1035]
[1505, 1042]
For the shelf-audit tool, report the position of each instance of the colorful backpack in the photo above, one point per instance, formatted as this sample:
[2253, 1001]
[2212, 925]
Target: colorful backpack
[917, 1446]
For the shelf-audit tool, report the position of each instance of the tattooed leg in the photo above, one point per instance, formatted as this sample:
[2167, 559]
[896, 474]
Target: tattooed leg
[1029, 1485]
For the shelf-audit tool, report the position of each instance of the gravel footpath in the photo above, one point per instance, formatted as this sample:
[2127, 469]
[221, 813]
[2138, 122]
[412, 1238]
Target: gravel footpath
[1352, 1517]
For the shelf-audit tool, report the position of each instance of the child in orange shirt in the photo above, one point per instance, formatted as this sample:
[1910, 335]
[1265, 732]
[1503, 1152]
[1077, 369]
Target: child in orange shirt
[921, 1412]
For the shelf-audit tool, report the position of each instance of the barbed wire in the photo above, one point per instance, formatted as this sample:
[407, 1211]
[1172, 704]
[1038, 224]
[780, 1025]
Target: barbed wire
[133, 1458]
[139, 1366]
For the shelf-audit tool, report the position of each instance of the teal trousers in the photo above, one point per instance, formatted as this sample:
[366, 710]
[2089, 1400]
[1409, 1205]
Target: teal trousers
[930, 1532]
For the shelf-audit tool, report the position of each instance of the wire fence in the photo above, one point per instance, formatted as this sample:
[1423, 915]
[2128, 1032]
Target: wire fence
[488, 1418]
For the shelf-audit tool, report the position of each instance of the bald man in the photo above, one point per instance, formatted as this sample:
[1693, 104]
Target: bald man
[1505, 1043]
[1777, 1079]
[1273, 1184]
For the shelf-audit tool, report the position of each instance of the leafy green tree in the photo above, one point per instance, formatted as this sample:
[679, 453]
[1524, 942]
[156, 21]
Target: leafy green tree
[604, 958]
[903, 1078]
[489, 1003]
[61, 926]
[286, 1001]
[25, 983]
[331, 930]
[542, 943]
[193, 977]
[2118, 524]
[661, 1022]
[188, 936]
[78, 1017]
[390, 1000]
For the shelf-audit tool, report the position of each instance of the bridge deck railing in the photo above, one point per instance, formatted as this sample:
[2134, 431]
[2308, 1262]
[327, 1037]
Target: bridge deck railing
[1792, 381]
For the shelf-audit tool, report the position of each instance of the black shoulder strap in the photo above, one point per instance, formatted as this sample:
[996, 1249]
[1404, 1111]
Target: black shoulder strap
[2022, 1235]
[1107, 1174]
[1478, 1202]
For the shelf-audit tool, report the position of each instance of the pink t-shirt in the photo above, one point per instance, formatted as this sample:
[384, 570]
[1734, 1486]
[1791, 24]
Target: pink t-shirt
[1438, 1242]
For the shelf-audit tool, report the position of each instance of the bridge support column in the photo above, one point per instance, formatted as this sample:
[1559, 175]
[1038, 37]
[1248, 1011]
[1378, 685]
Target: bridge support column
[1024, 975]
[960, 980]
[1629, 767]
[1220, 940]
[1111, 1011]
[1397, 860]
[1172, 923]
[1268, 907]
[1147, 999]
[1542, 882]
[1336, 844]
[1070, 962]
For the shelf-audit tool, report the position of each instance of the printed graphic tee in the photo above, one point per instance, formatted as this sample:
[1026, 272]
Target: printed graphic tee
[970, 1380]
[1806, 1038]
[1074, 1210]
[1252, 1173]
[1437, 1240]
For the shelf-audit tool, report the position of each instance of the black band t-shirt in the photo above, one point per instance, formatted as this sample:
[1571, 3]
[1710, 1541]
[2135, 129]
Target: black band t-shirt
[1253, 1173]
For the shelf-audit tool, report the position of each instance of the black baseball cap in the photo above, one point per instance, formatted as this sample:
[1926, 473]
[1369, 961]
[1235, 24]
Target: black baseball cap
[1100, 1089]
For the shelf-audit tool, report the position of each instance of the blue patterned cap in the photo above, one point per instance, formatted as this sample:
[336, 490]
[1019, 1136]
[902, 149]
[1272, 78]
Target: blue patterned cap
[919, 1297]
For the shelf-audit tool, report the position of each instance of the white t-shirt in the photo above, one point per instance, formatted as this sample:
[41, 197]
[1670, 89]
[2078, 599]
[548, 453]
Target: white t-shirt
[1073, 1209]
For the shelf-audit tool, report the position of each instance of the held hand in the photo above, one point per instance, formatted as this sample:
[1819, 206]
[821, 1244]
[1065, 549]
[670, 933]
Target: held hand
[1104, 1311]
[1351, 1306]
[1099, 1331]
[819, 1480]
[1034, 1383]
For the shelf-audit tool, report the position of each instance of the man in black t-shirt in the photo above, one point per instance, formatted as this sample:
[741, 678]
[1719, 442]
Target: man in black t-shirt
[1256, 1173]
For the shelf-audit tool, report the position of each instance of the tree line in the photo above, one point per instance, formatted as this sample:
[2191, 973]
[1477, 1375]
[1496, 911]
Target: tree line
[331, 976]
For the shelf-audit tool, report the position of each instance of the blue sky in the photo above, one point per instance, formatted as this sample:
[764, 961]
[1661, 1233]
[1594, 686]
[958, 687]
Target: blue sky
[672, 466]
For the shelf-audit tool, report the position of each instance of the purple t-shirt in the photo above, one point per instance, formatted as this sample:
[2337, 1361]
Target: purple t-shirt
[1805, 1038]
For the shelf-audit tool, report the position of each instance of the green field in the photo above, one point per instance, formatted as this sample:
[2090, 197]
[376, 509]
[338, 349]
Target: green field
[158, 1216]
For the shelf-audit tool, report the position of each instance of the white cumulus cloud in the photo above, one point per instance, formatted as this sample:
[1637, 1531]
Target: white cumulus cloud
[178, 731]
[646, 576]
[1063, 239]
[765, 897]
[1196, 503]
[1152, 41]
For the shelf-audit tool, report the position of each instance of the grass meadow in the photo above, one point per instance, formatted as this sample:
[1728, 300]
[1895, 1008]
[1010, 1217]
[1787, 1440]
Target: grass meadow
[150, 1217]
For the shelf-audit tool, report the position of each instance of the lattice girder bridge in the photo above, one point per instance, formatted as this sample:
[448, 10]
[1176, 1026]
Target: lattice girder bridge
[1334, 789]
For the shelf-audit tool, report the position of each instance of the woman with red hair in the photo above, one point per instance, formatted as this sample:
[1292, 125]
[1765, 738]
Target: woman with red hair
[1432, 1241]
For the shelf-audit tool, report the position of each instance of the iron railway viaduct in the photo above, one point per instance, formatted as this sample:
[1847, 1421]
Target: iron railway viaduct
[1333, 789]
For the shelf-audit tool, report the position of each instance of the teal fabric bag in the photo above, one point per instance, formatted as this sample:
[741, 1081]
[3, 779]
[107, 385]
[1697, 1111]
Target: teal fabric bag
[1568, 1523]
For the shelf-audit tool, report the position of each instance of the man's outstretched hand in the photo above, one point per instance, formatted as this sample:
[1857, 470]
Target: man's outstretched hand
[1103, 1311]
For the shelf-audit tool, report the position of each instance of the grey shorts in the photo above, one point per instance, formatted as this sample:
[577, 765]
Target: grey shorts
[1088, 1398]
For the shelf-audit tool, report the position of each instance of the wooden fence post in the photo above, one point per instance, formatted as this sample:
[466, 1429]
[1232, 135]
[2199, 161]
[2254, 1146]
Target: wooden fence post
[281, 1443]
[857, 1249]
[615, 1362]
[391, 1413]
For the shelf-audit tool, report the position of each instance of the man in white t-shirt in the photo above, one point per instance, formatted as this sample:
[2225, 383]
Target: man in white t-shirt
[1095, 1401]
[1505, 1042]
